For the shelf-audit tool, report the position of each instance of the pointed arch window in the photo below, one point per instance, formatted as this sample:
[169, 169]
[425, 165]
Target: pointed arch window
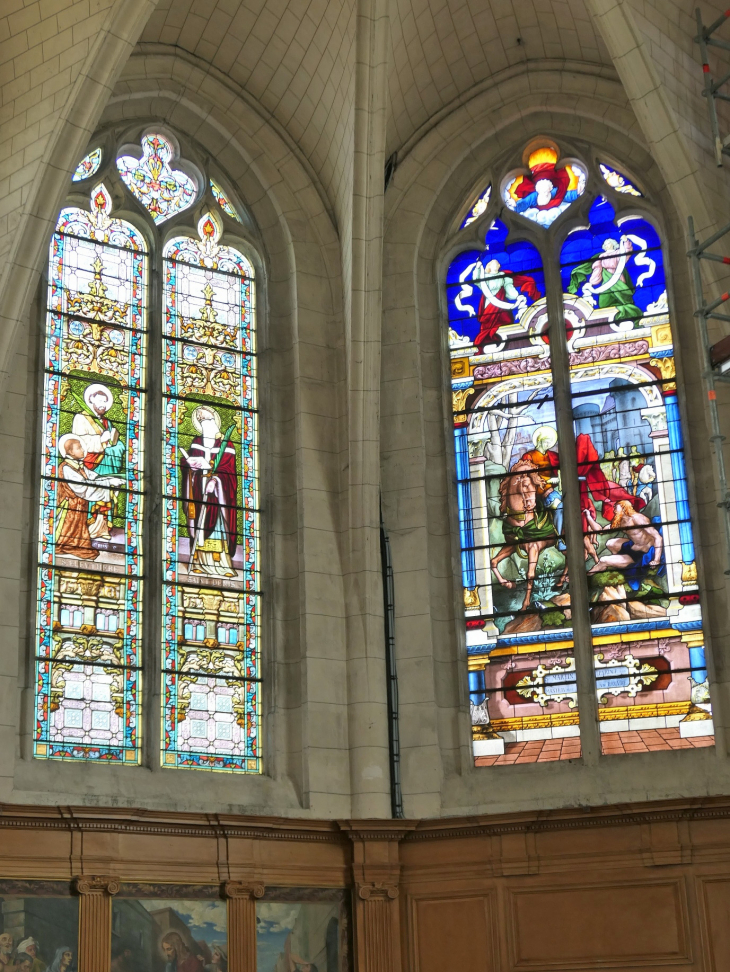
[569, 461]
[97, 601]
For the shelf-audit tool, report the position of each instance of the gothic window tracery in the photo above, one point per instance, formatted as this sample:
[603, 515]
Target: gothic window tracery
[622, 495]
[100, 455]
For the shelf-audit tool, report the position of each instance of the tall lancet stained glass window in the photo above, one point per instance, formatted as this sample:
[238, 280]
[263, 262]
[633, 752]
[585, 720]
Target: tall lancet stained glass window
[211, 566]
[650, 687]
[89, 579]
[514, 569]
[651, 677]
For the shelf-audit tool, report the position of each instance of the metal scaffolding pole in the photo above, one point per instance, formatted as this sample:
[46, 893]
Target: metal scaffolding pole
[713, 88]
[716, 358]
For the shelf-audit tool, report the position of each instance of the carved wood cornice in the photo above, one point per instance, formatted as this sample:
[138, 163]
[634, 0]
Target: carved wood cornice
[390, 830]
[588, 818]
[150, 823]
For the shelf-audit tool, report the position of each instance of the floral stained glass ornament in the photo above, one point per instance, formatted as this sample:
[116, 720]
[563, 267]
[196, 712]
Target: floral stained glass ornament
[644, 602]
[211, 668]
[546, 188]
[88, 672]
[618, 181]
[162, 190]
[479, 207]
[88, 166]
[522, 669]
[223, 201]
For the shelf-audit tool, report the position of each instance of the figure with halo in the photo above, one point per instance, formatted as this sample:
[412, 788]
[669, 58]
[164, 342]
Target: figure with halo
[80, 490]
[104, 452]
[209, 489]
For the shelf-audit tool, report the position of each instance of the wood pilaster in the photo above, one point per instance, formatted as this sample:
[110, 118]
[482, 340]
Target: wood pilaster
[242, 924]
[376, 873]
[95, 921]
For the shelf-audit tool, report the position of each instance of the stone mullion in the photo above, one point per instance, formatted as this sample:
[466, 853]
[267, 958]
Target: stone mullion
[95, 922]
[150, 698]
[242, 925]
[579, 606]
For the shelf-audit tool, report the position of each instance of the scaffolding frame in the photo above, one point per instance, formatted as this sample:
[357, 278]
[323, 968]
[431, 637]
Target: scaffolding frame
[704, 312]
[712, 90]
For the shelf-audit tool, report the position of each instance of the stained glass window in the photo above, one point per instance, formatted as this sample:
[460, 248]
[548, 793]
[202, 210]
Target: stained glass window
[522, 678]
[88, 166]
[211, 568]
[89, 579]
[223, 201]
[162, 190]
[651, 688]
[91, 599]
[546, 187]
[618, 181]
[651, 675]
[479, 207]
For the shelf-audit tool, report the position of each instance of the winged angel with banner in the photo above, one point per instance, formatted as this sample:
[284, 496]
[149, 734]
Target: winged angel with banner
[502, 298]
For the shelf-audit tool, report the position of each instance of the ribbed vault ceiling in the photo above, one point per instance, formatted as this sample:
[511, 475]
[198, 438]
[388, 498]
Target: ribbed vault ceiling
[296, 57]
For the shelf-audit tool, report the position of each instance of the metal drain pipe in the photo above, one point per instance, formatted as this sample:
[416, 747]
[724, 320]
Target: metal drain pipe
[396, 796]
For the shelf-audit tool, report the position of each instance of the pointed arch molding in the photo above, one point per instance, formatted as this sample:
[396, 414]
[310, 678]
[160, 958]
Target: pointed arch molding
[44, 195]
[299, 303]
[431, 187]
[193, 96]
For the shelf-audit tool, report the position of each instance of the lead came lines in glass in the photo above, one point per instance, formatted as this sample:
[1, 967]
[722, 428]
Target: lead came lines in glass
[651, 676]
[210, 664]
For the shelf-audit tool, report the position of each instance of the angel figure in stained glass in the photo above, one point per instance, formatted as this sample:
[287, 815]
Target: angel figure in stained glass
[503, 298]
[210, 485]
[606, 276]
[79, 491]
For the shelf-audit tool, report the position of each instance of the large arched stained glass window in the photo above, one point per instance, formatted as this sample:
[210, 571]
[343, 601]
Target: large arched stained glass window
[211, 666]
[625, 492]
[91, 642]
[89, 582]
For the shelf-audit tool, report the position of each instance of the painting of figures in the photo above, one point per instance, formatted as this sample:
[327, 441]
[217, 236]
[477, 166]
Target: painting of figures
[158, 935]
[294, 936]
[38, 934]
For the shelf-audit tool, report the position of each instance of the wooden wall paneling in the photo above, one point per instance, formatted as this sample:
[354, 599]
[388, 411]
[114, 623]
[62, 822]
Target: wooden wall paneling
[714, 902]
[452, 931]
[623, 924]
[242, 925]
[95, 921]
